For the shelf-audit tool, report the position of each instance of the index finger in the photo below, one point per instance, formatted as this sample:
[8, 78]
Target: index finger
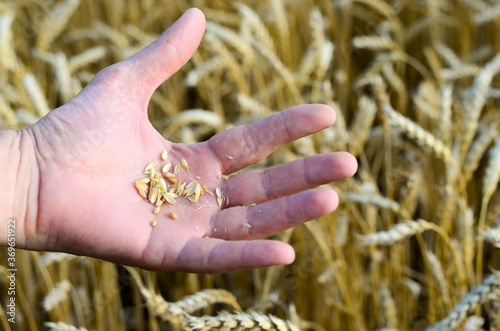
[242, 146]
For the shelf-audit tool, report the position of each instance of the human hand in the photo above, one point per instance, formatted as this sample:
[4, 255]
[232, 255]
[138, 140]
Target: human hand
[90, 152]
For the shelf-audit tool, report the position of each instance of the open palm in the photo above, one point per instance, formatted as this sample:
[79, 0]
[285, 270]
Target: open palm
[91, 151]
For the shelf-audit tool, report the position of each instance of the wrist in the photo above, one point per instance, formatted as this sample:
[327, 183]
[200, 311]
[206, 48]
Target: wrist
[18, 184]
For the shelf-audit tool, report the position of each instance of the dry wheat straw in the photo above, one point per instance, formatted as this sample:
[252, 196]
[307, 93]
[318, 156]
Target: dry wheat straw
[55, 23]
[479, 295]
[56, 295]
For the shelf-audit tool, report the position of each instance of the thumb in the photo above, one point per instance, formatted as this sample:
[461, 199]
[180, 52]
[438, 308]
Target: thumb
[166, 55]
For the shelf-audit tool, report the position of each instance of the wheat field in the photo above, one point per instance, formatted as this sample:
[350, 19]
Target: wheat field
[415, 241]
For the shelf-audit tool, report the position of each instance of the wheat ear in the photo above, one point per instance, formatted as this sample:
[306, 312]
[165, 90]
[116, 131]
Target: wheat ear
[240, 322]
[54, 23]
[206, 298]
[61, 326]
[480, 294]
[56, 295]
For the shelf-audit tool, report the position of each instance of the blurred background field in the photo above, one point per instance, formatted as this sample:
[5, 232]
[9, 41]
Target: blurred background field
[415, 241]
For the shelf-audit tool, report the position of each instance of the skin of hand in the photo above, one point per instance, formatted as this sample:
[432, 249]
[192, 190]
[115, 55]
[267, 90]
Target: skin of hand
[75, 171]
